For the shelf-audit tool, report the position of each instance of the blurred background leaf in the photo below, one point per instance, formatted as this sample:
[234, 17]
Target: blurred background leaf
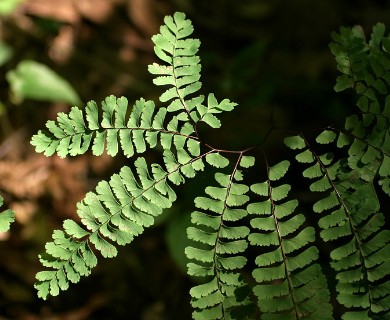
[5, 52]
[34, 80]
[8, 6]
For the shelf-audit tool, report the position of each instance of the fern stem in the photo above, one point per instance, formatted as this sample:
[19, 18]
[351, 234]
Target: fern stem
[215, 257]
[87, 237]
[241, 152]
[183, 103]
[277, 227]
[348, 214]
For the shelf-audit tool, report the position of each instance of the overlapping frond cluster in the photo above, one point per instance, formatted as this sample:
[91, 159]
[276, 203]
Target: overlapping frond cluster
[219, 243]
[182, 73]
[365, 67]
[350, 210]
[288, 281]
[133, 132]
[6, 217]
[291, 284]
[120, 209]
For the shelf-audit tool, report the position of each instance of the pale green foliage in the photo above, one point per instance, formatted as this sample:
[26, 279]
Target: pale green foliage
[252, 250]
[6, 217]
[33, 80]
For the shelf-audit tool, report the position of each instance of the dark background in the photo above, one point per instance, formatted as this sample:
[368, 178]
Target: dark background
[271, 57]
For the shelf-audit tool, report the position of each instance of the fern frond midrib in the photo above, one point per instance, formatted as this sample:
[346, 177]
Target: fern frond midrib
[151, 129]
[155, 182]
[120, 210]
[353, 228]
[215, 256]
[288, 278]
[182, 101]
[334, 187]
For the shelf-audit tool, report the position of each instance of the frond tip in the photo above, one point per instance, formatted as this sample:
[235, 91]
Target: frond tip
[181, 72]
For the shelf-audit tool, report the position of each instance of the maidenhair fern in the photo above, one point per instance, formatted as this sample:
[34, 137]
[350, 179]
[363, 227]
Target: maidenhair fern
[253, 249]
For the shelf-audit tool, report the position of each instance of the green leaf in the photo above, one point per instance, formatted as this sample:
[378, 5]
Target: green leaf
[285, 209]
[305, 156]
[247, 161]
[321, 184]
[343, 140]
[217, 160]
[260, 208]
[278, 171]
[269, 273]
[291, 225]
[201, 236]
[8, 6]
[6, 51]
[204, 289]
[73, 229]
[315, 171]
[280, 192]
[263, 239]
[326, 203]
[261, 189]
[300, 240]
[33, 80]
[343, 82]
[6, 218]
[295, 142]
[326, 136]
[201, 218]
[106, 248]
[211, 120]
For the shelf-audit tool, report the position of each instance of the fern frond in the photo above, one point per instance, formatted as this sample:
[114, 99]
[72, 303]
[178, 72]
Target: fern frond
[173, 46]
[182, 73]
[364, 257]
[6, 217]
[132, 131]
[290, 282]
[115, 213]
[221, 242]
[367, 70]
[350, 207]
